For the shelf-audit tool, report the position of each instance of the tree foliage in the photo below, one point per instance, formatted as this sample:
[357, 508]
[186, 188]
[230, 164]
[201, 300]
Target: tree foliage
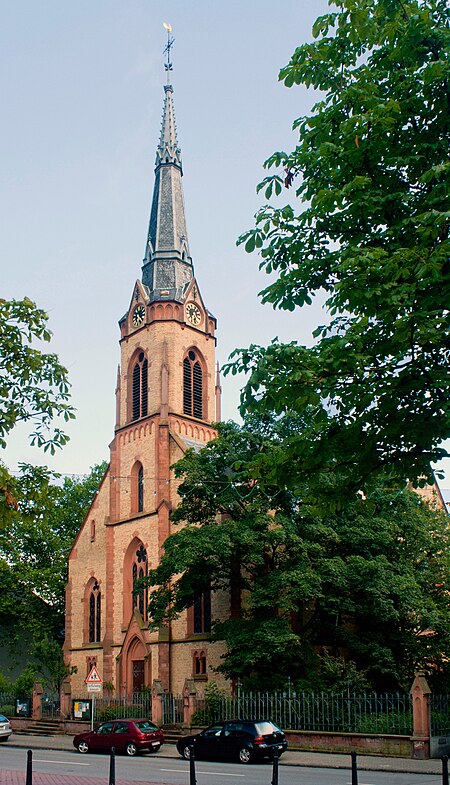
[370, 230]
[33, 385]
[369, 582]
[35, 546]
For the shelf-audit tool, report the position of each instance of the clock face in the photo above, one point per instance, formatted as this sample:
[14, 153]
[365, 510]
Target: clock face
[193, 313]
[138, 315]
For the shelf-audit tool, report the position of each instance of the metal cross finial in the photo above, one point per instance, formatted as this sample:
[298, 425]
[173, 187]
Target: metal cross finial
[168, 47]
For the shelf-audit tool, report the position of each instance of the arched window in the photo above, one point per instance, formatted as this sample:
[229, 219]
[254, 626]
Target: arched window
[199, 663]
[139, 571]
[140, 387]
[95, 601]
[192, 385]
[140, 489]
[202, 612]
[137, 487]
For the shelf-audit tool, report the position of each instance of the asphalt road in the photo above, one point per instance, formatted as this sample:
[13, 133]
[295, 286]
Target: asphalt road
[48, 764]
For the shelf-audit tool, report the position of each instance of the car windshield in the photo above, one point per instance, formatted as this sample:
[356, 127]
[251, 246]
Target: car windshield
[265, 728]
[3, 718]
[145, 725]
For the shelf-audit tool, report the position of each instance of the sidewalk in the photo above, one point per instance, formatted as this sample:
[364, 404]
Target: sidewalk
[290, 758]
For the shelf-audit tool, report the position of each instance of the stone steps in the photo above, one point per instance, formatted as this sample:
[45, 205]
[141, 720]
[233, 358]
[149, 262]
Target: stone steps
[42, 728]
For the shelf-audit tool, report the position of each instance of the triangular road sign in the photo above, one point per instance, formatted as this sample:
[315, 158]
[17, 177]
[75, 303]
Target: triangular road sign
[94, 677]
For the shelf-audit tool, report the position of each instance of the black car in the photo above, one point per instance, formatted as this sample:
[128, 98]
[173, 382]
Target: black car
[242, 740]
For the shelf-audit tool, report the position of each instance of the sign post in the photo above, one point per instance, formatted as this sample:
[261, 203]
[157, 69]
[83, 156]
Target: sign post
[94, 683]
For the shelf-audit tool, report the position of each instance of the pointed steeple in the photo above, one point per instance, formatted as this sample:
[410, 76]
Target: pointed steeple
[167, 268]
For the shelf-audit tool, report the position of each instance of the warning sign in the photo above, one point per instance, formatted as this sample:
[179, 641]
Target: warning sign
[94, 677]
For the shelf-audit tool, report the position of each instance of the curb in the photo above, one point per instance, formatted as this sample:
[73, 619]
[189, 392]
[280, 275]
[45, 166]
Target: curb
[319, 761]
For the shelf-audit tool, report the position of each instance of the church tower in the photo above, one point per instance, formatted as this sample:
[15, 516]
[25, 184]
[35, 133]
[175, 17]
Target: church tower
[167, 396]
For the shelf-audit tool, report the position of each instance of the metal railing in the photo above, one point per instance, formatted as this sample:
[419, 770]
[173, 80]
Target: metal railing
[440, 715]
[135, 706]
[385, 713]
[172, 709]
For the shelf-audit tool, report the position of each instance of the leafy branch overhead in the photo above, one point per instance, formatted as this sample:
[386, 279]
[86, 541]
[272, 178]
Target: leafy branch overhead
[34, 387]
[304, 586]
[370, 231]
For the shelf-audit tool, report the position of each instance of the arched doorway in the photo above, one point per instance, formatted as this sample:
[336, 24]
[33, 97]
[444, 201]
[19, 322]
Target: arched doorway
[136, 666]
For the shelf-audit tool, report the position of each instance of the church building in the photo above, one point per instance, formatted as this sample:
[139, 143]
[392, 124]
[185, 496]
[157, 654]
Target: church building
[167, 396]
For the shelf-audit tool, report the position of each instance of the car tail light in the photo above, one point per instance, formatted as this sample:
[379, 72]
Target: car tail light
[259, 740]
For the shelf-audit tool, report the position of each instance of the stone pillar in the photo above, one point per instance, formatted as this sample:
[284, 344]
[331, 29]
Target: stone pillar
[157, 693]
[65, 699]
[189, 702]
[420, 693]
[36, 709]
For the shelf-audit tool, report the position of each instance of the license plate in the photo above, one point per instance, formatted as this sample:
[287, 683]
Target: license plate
[155, 743]
[280, 746]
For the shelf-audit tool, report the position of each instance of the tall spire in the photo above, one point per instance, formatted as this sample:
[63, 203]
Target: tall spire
[167, 268]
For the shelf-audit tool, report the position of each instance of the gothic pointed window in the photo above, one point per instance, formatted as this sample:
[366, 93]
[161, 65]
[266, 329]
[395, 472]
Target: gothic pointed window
[192, 385]
[140, 489]
[95, 614]
[139, 571]
[140, 388]
[202, 612]
[137, 488]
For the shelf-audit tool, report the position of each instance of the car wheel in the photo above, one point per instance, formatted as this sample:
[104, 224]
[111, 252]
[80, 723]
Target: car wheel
[186, 752]
[83, 746]
[154, 749]
[4, 738]
[244, 755]
[131, 749]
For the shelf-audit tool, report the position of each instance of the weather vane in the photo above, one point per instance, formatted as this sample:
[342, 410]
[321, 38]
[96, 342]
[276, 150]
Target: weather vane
[168, 47]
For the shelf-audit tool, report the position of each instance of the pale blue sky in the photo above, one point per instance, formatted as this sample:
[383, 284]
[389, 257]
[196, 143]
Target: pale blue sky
[82, 95]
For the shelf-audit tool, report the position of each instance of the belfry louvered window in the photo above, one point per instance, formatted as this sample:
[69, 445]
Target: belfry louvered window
[140, 388]
[192, 386]
[94, 614]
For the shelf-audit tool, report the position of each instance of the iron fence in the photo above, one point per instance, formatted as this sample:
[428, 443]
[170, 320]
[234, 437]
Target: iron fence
[135, 706]
[172, 709]
[51, 706]
[440, 715]
[340, 713]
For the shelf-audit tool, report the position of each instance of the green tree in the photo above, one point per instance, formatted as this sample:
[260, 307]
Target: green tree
[370, 230]
[34, 387]
[370, 582]
[35, 546]
[48, 659]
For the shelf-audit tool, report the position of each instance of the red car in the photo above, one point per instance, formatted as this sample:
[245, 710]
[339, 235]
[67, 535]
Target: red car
[130, 736]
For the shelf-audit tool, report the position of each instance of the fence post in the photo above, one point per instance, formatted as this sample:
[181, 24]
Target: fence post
[420, 694]
[64, 699]
[354, 769]
[189, 701]
[36, 709]
[157, 693]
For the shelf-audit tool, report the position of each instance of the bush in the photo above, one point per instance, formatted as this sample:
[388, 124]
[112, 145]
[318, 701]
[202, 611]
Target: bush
[213, 702]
